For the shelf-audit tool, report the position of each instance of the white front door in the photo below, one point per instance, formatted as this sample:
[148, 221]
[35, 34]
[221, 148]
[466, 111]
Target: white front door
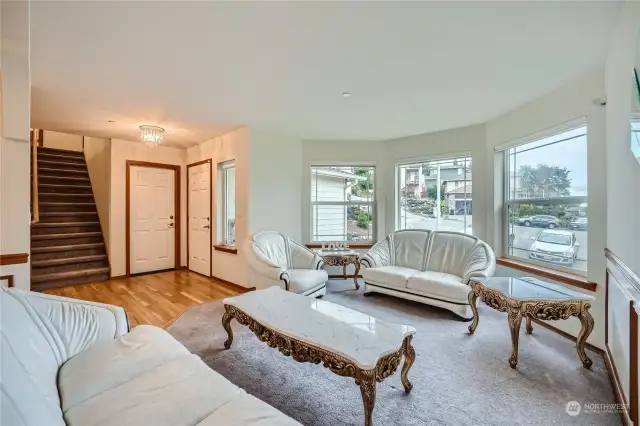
[200, 219]
[153, 224]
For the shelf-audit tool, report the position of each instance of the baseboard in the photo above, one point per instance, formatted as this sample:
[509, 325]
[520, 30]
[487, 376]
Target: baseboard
[617, 386]
[568, 336]
[119, 277]
[239, 288]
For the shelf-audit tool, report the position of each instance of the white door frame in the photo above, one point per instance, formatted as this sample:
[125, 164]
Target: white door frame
[198, 163]
[178, 218]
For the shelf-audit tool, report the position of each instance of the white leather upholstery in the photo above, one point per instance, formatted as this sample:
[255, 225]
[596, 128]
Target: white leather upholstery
[68, 362]
[278, 260]
[429, 266]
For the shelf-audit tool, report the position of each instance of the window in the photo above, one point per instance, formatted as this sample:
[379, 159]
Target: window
[546, 201]
[444, 183]
[635, 137]
[343, 203]
[228, 191]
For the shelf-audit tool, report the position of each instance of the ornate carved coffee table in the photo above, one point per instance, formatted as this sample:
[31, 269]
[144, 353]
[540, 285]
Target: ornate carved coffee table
[532, 298]
[347, 342]
[342, 258]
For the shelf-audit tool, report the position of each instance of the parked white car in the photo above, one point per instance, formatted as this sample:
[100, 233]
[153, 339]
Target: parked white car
[555, 246]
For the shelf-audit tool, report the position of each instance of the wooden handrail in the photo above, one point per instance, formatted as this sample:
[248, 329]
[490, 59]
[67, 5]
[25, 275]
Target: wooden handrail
[35, 207]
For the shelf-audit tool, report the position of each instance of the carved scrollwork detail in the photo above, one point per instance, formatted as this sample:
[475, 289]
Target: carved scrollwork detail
[545, 310]
[340, 260]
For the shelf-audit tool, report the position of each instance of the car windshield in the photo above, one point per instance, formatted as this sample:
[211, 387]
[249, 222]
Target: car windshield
[552, 238]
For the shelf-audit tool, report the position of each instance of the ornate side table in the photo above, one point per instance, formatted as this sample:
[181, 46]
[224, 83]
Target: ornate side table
[342, 258]
[532, 298]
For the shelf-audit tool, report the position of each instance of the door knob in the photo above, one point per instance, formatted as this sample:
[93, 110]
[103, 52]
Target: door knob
[206, 226]
[171, 217]
[171, 225]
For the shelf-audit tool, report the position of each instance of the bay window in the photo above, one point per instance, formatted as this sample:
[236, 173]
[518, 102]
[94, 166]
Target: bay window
[546, 220]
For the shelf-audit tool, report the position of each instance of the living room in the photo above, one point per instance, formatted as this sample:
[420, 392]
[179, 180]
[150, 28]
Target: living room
[387, 177]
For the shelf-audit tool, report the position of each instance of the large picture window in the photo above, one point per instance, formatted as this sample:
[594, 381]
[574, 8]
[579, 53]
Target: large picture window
[546, 201]
[436, 195]
[343, 203]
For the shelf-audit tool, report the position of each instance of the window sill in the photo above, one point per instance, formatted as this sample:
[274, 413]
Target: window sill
[226, 249]
[356, 246]
[552, 274]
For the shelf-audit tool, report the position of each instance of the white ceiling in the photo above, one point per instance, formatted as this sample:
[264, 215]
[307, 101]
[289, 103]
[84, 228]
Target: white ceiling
[201, 69]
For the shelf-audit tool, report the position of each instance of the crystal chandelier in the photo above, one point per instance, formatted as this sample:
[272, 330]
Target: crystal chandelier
[151, 135]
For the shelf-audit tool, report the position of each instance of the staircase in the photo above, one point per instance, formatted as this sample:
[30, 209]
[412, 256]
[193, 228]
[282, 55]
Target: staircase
[67, 246]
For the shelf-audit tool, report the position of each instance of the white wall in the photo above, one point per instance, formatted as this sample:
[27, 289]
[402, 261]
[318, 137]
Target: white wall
[15, 95]
[121, 151]
[97, 152]
[623, 171]
[230, 146]
[275, 183]
[59, 140]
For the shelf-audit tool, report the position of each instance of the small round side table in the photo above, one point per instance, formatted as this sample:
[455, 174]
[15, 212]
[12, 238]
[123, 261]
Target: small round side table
[342, 258]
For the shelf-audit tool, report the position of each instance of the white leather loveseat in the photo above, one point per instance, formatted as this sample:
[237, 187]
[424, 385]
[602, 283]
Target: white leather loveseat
[71, 362]
[278, 260]
[429, 267]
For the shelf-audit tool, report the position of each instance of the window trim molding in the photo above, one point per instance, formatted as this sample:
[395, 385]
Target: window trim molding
[566, 126]
[223, 167]
[553, 274]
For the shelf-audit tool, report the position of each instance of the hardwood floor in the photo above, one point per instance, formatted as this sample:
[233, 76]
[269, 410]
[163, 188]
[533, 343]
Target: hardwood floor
[155, 299]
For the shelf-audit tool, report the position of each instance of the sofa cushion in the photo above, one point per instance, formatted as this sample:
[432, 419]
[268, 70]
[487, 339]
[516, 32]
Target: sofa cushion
[439, 285]
[394, 276]
[181, 392]
[301, 280]
[449, 252]
[410, 248]
[246, 410]
[29, 365]
[114, 363]
[273, 246]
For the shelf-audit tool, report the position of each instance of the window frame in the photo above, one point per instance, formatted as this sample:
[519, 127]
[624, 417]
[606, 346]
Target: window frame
[506, 202]
[422, 160]
[373, 204]
[224, 168]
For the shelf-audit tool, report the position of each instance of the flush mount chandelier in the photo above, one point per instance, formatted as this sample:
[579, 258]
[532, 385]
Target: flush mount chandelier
[151, 135]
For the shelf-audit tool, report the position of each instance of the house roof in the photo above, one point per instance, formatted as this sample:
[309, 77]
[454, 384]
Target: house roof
[462, 190]
[337, 173]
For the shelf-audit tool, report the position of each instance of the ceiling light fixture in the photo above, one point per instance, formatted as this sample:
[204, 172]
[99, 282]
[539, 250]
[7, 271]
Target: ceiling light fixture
[151, 135]
[346, 94]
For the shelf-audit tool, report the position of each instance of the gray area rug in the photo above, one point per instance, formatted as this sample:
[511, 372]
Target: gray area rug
[457, 379]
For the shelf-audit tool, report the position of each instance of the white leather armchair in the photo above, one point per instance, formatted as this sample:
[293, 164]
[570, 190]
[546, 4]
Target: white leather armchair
[278, 260]
[428, 266]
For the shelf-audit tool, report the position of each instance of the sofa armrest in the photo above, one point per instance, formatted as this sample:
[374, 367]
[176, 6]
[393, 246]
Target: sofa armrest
[74, 325]
[262, 266]
[378, 255]
[304, 258]
[481, 264]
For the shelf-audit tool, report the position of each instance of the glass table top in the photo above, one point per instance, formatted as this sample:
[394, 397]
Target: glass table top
[529, 288]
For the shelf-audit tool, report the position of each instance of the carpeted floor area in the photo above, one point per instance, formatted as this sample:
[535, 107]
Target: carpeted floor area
[457, 379]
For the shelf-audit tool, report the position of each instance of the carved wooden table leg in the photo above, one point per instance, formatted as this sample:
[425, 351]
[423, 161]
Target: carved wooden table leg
[473, 298]
[409, 357]
[529, 326]
[355, 274]
[587, 326]
[366, 379]
[226, 324]
[515, 319]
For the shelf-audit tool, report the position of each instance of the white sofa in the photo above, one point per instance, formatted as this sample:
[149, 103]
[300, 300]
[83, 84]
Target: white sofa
[429, 267]
[278, 260]
[71, 362]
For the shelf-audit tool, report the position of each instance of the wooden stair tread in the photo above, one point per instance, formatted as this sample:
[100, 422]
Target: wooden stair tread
[71, 178]
[69, 235]
[64, 157]
[66, 260]
[36, 278]
[46, 149]
[67, 213]
[51, 249]
[64, 224]
[65, 194]
[62, 185]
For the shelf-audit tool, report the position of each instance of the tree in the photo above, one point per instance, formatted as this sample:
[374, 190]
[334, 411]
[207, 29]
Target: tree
[367, 184]
[363, 219]
[545, 181]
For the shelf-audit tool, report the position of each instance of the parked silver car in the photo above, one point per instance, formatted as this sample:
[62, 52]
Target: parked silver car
[555, 246]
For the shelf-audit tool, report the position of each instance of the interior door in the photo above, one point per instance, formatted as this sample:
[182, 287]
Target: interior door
[200, 219]
[153, 224]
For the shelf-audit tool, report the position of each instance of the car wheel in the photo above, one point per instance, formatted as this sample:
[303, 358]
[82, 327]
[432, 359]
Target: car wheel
[552, 225]
[527, 223]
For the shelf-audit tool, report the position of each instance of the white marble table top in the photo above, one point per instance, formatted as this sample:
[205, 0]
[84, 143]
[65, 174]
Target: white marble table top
[358, 337]
[528, 288]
